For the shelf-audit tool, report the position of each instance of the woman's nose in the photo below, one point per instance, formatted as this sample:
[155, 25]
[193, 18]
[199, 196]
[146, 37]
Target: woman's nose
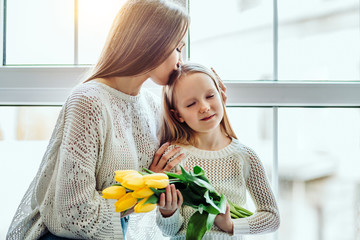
[180, 61]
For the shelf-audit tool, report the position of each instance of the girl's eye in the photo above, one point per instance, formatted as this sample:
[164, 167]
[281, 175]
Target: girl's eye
[190, 104]
[211, 96]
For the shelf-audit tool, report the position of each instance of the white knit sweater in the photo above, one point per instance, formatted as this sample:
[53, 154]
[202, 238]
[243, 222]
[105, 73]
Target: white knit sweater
[99, 130]
[231, 170]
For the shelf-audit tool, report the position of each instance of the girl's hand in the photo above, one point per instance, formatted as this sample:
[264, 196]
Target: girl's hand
[224, 222]
[161, 162]
[221, 85]
[170, 201]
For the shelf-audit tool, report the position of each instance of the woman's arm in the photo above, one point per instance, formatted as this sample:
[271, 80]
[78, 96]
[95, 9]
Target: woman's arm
[74, 208]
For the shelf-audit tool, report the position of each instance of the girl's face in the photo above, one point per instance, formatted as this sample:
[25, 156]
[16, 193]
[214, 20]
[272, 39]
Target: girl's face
[160, 75]
[198, 103]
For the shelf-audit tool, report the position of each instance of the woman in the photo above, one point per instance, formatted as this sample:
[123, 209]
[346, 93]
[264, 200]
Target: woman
[108, 123]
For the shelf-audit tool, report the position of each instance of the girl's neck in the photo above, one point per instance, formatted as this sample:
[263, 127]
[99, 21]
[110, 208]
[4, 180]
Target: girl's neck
[129, 85]
[212, 141]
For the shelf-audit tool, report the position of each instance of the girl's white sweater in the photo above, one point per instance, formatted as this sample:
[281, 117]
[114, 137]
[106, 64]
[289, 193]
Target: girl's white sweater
[99, 130]
[232, 171]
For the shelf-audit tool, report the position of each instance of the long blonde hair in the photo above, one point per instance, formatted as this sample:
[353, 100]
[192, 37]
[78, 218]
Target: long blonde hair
[174, 131]
[143, 34]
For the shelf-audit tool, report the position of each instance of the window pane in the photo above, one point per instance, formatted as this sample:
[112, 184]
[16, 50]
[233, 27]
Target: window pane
[39, 32]
[319, 40]
[234, 37]
[24, 135]
[95, 19]
[319, 152]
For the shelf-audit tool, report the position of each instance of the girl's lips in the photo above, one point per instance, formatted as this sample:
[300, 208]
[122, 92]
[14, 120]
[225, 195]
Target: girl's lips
[207, 118]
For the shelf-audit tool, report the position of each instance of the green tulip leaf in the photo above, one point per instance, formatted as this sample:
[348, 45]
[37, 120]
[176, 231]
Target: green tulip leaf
[152, 199]
[222, 205]
[197, 226]
[147, 171]
[200, 173]
[157, 192]
[210, 221]
[174, 176]
[213, 206]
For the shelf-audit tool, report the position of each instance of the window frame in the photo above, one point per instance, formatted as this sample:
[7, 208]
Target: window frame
[52, 85]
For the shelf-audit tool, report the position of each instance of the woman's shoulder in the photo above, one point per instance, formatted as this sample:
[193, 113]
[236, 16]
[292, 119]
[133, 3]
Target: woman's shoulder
[86, 90]
[151, 97]
[87, 96]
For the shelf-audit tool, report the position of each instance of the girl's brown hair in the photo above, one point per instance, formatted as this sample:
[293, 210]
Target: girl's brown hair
[143, 35]
[174, 131]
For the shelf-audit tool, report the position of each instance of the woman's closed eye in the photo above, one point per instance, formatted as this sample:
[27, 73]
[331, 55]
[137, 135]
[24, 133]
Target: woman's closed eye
[180, 47]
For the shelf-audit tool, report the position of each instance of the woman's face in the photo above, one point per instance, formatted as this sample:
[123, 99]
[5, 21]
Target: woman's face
[161, 74]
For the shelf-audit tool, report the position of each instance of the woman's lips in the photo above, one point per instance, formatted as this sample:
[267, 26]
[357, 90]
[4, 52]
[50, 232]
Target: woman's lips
[207, 118]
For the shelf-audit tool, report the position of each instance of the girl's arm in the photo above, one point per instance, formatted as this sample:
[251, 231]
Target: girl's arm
[266, 218]
[168, 216]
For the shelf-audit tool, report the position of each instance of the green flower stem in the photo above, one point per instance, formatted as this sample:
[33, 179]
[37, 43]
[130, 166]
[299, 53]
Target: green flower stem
[198, 193]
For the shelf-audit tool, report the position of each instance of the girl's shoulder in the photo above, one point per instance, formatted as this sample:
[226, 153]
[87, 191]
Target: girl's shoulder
[244, 150]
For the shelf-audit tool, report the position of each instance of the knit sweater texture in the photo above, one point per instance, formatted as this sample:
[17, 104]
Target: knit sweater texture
[233, 171]
[99, 130]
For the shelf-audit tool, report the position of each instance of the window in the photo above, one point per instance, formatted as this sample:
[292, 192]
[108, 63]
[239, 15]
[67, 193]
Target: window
[292, 72]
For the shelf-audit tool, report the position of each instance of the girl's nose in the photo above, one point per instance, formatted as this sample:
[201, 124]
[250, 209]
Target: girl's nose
[204, 108]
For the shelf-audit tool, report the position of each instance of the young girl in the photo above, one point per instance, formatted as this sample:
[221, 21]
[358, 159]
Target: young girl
[107, 123]
[195, 118]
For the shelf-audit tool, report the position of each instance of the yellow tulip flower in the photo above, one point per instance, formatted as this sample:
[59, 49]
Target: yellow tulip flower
[120, 174]
[155, 176]
[133, 181]
[142, 193]
[156, 180]
[114, 192]
[125, 203]
[141, 207]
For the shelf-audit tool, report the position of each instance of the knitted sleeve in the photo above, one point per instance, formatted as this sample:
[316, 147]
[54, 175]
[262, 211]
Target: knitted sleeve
[169, 226]
[77, 209]
[266, 218]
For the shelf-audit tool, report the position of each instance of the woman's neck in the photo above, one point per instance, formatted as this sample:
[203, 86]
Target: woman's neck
[212, 141]
[129, 85]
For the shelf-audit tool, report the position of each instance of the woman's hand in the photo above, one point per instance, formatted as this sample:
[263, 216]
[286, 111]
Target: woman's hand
[224, 222]
[161, 161]
[221, 85]
[127, 212]
[170, 201]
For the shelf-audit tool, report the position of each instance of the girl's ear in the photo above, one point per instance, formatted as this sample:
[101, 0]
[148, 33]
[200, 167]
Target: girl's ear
[176, 115]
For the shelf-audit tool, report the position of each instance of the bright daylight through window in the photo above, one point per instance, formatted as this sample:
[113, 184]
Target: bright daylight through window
[281, 55]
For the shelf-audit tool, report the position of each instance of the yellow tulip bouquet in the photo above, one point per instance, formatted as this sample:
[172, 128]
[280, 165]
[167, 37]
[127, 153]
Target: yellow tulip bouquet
[142, 190]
